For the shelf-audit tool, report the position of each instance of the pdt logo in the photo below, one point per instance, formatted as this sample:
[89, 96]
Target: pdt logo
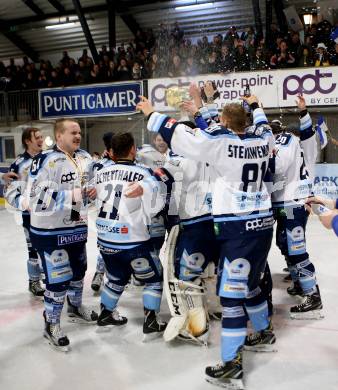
[308, 84]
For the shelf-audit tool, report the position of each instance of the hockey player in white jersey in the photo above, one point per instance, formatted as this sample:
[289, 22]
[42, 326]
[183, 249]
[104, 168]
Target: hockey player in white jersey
[241, 209]
[16, 196]
[152, 158]
[58, 188]
[105, 161]
[293, 168]
[123, 235]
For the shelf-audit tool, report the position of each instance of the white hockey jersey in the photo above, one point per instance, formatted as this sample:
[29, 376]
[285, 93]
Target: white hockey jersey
[238, 166]
[292, 165]
[15, 192]
[123, 222]
[53, 177]
[150, 157]
[191, 194]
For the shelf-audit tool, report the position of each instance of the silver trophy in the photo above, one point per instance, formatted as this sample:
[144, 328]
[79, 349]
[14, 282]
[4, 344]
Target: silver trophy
[175, 96]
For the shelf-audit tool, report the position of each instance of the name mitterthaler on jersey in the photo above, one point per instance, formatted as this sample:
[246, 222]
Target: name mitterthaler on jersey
[118, 174]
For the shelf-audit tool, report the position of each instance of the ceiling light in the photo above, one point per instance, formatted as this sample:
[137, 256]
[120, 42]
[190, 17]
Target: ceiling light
[307, 19]
[60, 26]
[193, 6]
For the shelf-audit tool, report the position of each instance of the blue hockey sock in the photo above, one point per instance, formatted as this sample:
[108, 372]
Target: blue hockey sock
[33, 267]
[100, 264]
[259, 315]
[152, 295]
[53, 305]
[74, 293]
[234, 331]
[110, 295]
[306, 276]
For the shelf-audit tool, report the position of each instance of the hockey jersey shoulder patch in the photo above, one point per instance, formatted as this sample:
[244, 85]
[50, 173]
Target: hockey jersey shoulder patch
[216, 130]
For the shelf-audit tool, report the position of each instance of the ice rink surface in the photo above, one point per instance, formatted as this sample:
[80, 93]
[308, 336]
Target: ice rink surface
[307, 357]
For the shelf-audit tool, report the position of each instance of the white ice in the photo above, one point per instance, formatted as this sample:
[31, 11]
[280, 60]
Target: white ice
[307, 357]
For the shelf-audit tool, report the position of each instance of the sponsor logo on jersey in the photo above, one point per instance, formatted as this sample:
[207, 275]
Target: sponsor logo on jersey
[66, 239]
[212, 128]
[236, 288]
[259, 224]
[159, 172]
[108, 250]
[124, 230]
[68, 177]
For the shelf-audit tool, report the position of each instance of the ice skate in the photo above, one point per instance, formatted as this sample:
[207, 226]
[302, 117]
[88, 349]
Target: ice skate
[309, 309]
[287, 278]
[97, 281]
[296, 289]
[215, 315]
[109, 318]
[227, 375]
[81, 314]
[35, 288]
[152, 325]
[55, 336]
[262, 341]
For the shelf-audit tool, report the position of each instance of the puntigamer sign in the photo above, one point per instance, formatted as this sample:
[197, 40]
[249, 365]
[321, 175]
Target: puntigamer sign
[90, 100]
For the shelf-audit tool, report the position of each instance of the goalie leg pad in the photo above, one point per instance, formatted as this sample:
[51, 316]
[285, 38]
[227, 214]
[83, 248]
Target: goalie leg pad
[185, 299]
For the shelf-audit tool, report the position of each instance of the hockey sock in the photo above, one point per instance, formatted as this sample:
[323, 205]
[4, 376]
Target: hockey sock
[100, 264]
[152, 295]
[234, 329]
[257, 308]
[33, 267]
[110, 295]
[53, 305]
[75, 292]
[306, 276]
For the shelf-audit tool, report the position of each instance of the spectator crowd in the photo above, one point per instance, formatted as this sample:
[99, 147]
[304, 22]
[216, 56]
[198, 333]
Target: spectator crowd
[170, 54]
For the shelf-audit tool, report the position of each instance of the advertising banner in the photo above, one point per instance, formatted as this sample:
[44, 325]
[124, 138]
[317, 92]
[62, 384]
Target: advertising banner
[90, 100]
[326, 180]
[275, 88]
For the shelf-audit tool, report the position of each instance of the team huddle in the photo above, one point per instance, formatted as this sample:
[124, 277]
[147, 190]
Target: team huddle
[209, 202]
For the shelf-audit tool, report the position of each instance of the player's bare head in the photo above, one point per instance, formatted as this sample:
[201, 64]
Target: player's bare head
[32, 138]
[107, 137]
[159, 144]
[62, 124]
[67, 134]
[234, 117]
[123, 145]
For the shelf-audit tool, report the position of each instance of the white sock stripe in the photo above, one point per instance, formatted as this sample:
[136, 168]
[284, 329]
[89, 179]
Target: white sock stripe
[258, 308]
[152, 293]
[234, 334]
[110, 294]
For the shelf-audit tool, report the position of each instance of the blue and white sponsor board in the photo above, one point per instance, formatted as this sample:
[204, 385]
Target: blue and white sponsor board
[326, 180]
[90, 100]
